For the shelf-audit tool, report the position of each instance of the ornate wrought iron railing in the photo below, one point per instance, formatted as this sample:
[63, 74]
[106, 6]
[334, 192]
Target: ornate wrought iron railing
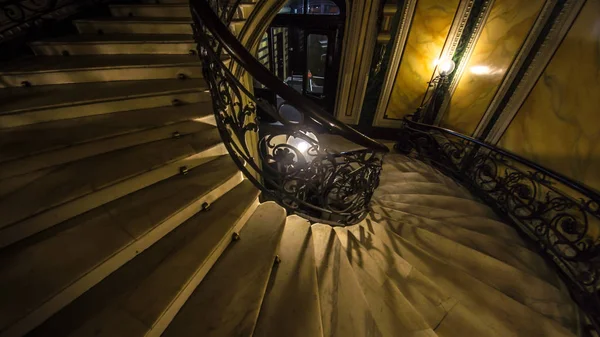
[560, 215]
[289, 161]
[18, 17]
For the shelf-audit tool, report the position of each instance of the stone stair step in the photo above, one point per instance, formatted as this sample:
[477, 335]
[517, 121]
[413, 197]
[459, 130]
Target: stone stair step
[425, 188]
[344, 308]
[532, 290]
[48, 70]
[404, 163]
[433, 217]
[177, 10]
[291, 305]
[154, 297]
[51, 269]
[443, 312]
[389, 175]
[393, 313]
[513, 253]
[165, 1]
[228, 301]
[425, 211]
[134, 25]
[38, 146]
[116, 44]
[441, 202]
[24, 106]
[74, 188]
[432, 303]
[142, 25]
[499, 312]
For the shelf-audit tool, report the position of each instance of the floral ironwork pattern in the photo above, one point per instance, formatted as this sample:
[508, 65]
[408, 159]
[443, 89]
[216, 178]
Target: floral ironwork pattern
[18, 16]
[293, 167]
[561, 217]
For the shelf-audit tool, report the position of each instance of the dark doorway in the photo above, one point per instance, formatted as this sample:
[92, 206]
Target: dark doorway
[304, 44]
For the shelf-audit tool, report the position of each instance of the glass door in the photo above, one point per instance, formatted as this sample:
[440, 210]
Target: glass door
[304, 47]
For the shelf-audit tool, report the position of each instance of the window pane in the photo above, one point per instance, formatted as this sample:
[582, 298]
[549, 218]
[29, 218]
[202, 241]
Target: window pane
[315, 7]
[323, 7]
[316, 62]
[293, 7]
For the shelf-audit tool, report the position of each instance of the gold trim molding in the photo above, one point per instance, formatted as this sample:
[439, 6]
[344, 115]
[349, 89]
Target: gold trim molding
[477, 28]
[551, 42]
[360, 37]
[516, 66]
[408, 11]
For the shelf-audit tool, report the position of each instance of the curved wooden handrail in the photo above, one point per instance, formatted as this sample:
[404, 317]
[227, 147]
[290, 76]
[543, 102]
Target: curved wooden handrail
[257, 70]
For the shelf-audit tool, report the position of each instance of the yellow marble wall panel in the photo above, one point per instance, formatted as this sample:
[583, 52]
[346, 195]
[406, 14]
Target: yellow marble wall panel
[502, 36]
[558, 125]
[430, 26]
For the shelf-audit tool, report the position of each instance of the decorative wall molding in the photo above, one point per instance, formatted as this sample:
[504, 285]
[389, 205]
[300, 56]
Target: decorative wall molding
[542, 57]
[474, 34]
[258, 22]
[360, 37]
[516, 66]
[384, 36]
[457, 29]
[408, 11]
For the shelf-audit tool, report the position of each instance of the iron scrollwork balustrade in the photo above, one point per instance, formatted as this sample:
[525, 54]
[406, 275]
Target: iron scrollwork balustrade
[18, 16]
[560, 215]
[287, 161]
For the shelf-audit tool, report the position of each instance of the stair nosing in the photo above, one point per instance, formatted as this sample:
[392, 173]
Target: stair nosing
[128, 252]
[48, 217]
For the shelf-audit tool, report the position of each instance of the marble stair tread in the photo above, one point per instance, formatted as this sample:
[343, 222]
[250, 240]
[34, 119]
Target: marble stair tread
[424, 295]
[425, 188]
[71, 189]
[427, 216]
[46, 271]
[140, 25]
[134, 19]
[344, 309]
[446, 315]
[16, 100]
[165, 1]
[155, 298]
[41, 64]
[291, 304]
[525, 286]
[34, 139]
[392, 311]
[228, 301]
[407, 164]
[116, 44]
[427, 206]
[37, 146]
[116, 38]
[181, 10]
[65, 101]
[502, 314]
[442, 202]
[392, 171]
[513, 253]
[388, 175]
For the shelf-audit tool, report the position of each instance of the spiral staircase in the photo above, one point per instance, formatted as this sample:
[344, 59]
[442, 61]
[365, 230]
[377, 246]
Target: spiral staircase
[123, 215]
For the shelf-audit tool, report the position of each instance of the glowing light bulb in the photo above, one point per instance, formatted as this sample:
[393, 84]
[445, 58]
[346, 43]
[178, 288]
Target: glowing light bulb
[480, 70]
[303, 146]
[446, 67]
